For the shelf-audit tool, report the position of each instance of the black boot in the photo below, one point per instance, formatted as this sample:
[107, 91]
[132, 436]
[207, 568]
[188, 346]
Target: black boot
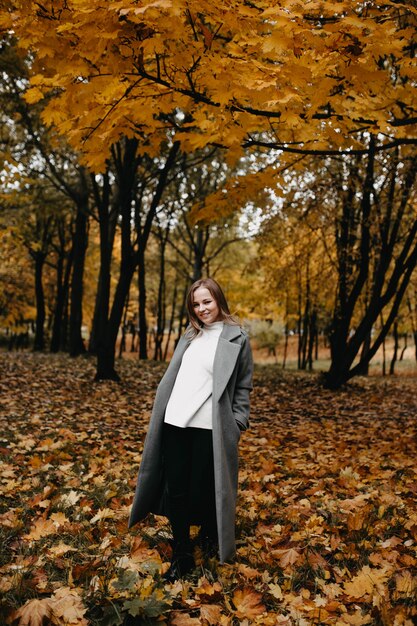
[182, 563]
[208, 540]
[179, 568]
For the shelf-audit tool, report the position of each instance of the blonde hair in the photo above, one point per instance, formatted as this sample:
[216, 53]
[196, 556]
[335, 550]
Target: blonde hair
[218, 295]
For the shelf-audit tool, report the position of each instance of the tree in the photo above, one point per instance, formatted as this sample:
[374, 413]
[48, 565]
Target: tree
[376, 243]
[35, 153]
[308, 77]
[359, 215]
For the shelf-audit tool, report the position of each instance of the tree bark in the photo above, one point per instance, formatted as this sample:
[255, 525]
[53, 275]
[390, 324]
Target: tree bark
[39, 341]
[56, 338]
[396, 348]
[80, 241]
[143, 323]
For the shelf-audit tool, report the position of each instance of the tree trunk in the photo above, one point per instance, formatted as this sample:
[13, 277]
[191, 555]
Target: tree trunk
[122, 347]
[39, 341]
[56, 343]
[312, 338]
[105, 359]
[393, 257]
[65, 313]
[143, 324]
[396, 347]
[126, 164]
[404, 347]
[161, 304]
[76, 343]
[171, 320]
[284, 358]
[120, 297]
[182, 316]
[107, 217]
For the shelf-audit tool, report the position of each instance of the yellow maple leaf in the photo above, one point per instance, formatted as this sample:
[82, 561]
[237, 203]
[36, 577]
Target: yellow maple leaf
[355, 619]
[33, 95]
[248, 572]
[405, 583]
[366, 581]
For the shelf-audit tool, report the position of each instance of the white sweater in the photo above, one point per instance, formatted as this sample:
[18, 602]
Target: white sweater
[190, 403]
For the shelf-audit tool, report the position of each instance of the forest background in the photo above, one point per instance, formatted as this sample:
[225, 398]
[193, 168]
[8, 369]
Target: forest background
[272, 146]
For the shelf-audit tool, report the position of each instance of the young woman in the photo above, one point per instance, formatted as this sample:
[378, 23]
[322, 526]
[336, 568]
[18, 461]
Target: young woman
[189, 467]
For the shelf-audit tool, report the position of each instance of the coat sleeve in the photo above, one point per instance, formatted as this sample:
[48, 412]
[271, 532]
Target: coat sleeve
[243, 387]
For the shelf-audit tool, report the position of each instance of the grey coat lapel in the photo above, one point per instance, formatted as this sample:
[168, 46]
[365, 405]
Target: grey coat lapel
[225, 359]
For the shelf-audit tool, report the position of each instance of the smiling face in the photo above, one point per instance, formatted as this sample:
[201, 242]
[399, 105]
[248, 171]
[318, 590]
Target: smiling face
[205, 306]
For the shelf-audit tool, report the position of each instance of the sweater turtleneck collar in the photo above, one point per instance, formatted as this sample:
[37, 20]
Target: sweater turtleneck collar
[213, 326]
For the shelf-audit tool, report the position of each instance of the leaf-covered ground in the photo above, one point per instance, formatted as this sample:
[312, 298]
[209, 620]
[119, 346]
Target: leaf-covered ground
[327, 515]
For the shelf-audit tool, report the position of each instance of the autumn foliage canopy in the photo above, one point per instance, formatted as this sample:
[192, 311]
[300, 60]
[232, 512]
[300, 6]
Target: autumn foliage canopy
[291, 75]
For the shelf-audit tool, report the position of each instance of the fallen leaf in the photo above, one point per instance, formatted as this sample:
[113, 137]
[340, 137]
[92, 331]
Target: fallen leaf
[67, 605]
[366, 581]
[208, 591]
[33, 613]
[184, 619]
[60, 549]
[286, 557]
[103, 514]
[211, 614]
[248, 603]
[41, 528]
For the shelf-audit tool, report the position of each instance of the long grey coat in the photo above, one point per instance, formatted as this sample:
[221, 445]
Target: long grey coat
[232, 382]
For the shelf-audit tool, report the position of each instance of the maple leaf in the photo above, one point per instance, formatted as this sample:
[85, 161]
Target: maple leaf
[248, 603]
[60, 549]
[355, 619]
[406, 583]
[275, 590]
[41, 528]
[208, 591]
[103, 514]
[366, 581]
[33, 613]
[67, 605]
[286, 557]
[247, 572]
[69, 499]
[211, 614]
[184, 619]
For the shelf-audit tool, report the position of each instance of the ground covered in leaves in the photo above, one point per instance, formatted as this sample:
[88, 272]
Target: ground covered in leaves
[326, 520]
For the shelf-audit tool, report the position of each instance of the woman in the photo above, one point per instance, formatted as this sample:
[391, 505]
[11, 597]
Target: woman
[189, 467]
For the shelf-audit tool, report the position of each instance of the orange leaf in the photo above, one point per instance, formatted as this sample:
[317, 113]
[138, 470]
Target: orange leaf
[286, 557]
[33, 612]
[41, 528]
[211, 613]
[365, 582]
[248, 572]
[208, 591]
[184, 619]
[248, 603]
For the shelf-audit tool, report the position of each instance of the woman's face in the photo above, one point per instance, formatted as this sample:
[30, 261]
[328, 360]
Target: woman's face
[205, 306]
